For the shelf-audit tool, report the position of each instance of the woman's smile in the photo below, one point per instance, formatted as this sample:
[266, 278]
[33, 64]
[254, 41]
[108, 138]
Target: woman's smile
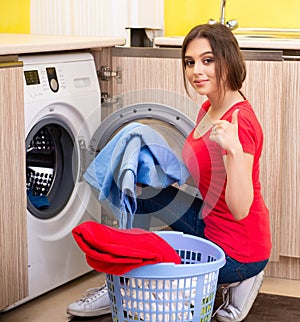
[200, 82]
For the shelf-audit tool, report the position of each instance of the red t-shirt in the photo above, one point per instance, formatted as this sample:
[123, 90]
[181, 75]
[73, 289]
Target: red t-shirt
[246, 240]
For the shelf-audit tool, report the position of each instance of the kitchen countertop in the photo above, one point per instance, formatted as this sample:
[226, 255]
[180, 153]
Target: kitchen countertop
[13, 44]
[264, 39]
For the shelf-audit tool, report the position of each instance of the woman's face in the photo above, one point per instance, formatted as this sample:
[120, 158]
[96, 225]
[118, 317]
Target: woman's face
[200, 67]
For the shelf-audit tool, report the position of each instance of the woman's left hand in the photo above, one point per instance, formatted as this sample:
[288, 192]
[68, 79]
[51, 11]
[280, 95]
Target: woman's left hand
[226, 134]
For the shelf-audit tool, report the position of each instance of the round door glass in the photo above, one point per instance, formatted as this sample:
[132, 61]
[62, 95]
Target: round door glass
[51, 168]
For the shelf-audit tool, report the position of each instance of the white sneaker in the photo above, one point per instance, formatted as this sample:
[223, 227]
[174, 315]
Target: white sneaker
[239, 298]
[94, 302]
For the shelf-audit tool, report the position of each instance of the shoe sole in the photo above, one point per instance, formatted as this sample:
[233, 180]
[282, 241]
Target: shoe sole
[103, 311]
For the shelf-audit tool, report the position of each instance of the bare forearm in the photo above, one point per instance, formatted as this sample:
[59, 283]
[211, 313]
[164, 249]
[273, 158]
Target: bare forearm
[239, 187]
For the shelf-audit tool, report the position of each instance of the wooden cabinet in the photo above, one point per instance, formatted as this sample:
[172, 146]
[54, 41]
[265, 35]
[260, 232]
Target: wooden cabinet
[263, 88]
[288, 265]
[290, 197]
[156, 74]
[273, 88]
[13, 240]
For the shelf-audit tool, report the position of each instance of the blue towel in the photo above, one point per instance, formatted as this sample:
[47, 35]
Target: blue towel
[136, 154]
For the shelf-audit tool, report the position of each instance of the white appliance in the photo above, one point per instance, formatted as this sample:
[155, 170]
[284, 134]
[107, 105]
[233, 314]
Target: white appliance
[63, 134]
[62, 111]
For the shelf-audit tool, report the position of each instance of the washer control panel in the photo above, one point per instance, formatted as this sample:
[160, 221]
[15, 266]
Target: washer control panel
[32, 78]
[58, 76]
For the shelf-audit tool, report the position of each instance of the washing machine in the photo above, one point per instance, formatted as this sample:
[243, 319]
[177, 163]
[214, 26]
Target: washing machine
[64, 133]
[62, 111]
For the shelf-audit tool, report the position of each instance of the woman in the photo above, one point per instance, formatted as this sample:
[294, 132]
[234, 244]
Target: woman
[222, 154]
[226, 145]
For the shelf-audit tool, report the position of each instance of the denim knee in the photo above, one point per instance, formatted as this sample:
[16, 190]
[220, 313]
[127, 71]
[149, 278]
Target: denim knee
[234, 271]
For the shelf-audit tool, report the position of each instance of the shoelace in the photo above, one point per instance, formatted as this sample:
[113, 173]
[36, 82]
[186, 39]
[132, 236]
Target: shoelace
[92, 294]
[225, 297]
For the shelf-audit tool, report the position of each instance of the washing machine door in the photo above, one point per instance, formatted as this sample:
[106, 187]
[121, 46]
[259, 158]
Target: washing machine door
[172, 124]
[50, 167]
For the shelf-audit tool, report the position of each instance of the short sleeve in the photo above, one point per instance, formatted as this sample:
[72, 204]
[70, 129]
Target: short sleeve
[250, 132]
[247, 136]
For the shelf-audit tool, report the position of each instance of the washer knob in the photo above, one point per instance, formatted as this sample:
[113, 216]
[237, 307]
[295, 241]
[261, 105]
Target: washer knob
[54, 85]
[52, 78]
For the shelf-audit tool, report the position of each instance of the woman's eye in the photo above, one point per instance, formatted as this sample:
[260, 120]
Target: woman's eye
[207, 61]
[189, 63]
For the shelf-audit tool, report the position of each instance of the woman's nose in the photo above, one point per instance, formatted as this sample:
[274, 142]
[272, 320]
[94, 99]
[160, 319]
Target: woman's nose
[198, 68]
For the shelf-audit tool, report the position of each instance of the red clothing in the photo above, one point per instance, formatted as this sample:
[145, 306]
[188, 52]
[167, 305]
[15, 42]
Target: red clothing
[247, 240]
[117, 251]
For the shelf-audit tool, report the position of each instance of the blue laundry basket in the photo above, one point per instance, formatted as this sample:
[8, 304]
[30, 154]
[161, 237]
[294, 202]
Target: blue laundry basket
[168, 292]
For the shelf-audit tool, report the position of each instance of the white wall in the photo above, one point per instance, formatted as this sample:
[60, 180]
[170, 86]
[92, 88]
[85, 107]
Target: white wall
[107, 18]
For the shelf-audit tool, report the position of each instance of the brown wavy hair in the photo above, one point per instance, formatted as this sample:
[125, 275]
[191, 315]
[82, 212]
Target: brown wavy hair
[229, 63]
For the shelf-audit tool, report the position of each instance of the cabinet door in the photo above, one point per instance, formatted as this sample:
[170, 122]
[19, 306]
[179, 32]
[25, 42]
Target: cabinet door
[290, 198]
[13, 240]
[263, 88]
[160, 79]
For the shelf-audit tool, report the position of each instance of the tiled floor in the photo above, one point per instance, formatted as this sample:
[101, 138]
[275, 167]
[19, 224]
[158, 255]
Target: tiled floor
[270, 305]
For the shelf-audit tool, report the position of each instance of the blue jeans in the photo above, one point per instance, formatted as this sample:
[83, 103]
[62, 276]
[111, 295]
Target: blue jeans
[182, 212]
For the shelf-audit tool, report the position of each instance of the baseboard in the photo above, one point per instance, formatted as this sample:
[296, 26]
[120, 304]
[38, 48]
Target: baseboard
[282, 287]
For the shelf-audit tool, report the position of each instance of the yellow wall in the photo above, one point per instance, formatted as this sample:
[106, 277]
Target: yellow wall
[15, 16]
[182, 15]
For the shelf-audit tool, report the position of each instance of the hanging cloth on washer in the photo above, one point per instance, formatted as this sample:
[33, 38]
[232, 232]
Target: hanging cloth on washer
[117, 251]
[136, 154]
